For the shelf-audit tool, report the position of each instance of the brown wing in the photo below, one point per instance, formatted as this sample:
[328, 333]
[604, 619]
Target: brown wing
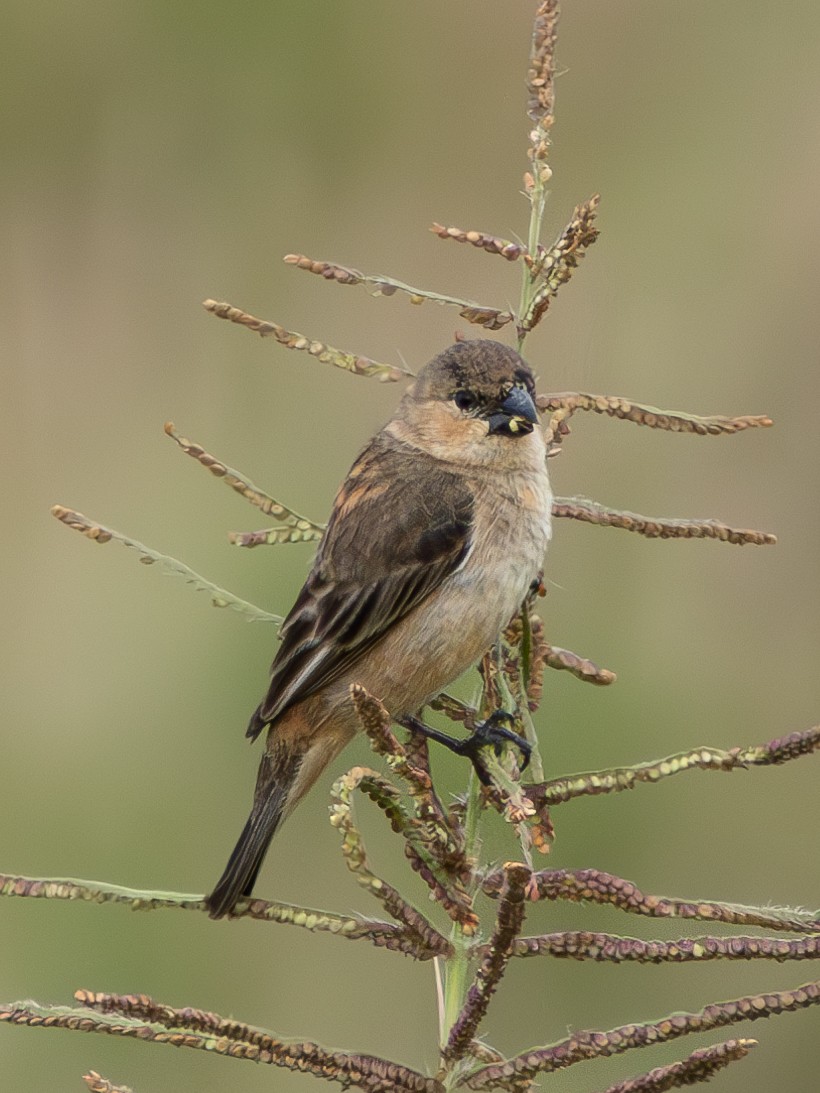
[400, 525]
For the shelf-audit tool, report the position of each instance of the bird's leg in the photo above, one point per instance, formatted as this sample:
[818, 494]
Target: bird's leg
[488, 733]
[492, 732]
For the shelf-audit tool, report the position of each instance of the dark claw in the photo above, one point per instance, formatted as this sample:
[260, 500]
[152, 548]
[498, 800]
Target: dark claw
[493, 733]
[489, 733]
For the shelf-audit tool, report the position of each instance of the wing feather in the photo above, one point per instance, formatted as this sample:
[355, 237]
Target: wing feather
[401, 524]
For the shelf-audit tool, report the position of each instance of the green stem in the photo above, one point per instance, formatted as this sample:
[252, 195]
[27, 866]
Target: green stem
[538, 201]
[536, 766]
[457, 968]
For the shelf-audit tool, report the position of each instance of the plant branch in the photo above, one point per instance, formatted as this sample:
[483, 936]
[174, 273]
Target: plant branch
[580, 885]
[443, 839]
[457, 967]
[328, 354]
[353, 927]
[98, 1084]
[540, 111]
[302, 528]
[614, 949]
[564, 660]
[590, 1044]
[698, 1067]
[773, 753]
[496, 955]
[220, 597]
[491, 318]
[341, 817]
[273, 536]
[655, 527]
[556, 265]
[366, 1072]
[492, 244]
[564, 405]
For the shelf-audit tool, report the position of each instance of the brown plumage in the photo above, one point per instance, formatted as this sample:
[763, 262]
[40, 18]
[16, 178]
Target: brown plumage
[435, 536]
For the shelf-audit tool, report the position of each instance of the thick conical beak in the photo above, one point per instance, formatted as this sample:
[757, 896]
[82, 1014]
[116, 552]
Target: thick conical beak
[515, 415]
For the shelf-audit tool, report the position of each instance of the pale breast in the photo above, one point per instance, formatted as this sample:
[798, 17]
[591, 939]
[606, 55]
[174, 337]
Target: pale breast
[450, 631]
[511, 535]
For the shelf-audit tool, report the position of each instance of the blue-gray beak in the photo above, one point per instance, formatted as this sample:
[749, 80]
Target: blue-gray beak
[516, 415]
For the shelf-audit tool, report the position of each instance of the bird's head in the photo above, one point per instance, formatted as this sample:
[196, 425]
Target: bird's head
[474, 403]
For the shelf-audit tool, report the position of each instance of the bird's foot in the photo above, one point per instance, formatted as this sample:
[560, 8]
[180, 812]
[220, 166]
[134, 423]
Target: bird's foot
[489, 733]
[493, 733]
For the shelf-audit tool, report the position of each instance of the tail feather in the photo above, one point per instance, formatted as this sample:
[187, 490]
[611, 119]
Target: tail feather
[290, 765]
[246, 859]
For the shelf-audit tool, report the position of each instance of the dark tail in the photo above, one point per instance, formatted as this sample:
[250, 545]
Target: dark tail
[246, 859]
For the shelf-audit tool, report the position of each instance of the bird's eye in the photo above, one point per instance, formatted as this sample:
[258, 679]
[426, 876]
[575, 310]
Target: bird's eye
[465, 401]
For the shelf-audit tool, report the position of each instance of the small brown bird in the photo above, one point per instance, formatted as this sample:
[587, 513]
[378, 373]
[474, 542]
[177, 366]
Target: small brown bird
[435, 537]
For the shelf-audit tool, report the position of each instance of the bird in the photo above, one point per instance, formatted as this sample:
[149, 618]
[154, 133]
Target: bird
[435, 538]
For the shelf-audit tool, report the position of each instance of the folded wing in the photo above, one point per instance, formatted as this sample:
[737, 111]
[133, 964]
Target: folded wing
[401, 524]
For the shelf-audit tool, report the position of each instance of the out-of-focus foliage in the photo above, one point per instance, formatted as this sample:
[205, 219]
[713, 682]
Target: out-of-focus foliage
[155, 155]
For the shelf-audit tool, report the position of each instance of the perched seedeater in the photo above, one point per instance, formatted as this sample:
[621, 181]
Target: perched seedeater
[435, 537]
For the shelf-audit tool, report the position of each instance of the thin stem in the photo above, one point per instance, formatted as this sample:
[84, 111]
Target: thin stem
[538, 201]
[353, 927]
[457, 967]
[536, 765]
[497, 953]
[540, 105]
[221, 1036]
[439, 998]
[473, 815]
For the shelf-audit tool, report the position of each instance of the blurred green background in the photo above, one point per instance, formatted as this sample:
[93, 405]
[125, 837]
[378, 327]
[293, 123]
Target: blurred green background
[155, 154]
